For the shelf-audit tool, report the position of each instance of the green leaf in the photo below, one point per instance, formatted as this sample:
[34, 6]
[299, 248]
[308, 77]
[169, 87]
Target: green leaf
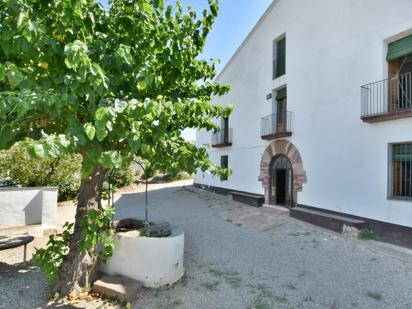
[21, 19]
[38, 150]
[90, 130]
[145, 149]
[102, 114]
[123, 53]
[101, 134]
[76, 54]
[14, 76]
[110, 159]
[6, 136]
[2, 72]
[120, 105]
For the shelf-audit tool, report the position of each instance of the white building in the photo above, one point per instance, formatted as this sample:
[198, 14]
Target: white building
[322, 96]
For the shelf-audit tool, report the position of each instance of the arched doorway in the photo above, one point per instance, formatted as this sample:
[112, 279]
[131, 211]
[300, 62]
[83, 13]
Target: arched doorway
[281, 185]
[275, 149]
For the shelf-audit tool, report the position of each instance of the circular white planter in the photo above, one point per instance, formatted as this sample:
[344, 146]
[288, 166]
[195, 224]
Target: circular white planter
[152, 261]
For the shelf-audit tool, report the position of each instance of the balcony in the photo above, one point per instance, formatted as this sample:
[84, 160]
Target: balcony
[387, 99]
[276, 126]
[222, 138]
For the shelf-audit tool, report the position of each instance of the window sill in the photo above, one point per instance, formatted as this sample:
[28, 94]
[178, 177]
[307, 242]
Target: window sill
[276, 77]
[279, 82]
[399, 198]
[276, 135]
[227, 144]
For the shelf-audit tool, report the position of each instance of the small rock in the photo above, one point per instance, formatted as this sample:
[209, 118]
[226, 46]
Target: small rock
[49, 231]
[122, 288]
[350, 231]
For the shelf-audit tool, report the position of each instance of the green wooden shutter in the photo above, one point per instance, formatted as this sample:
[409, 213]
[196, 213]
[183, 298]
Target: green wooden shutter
[400, 48]
[280, 94]
[402, 152]
[281, 57]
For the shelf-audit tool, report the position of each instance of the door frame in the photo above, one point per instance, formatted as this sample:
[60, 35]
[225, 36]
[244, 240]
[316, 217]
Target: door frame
[288, 182]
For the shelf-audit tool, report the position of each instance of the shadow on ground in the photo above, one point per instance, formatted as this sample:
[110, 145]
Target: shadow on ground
[237, 256]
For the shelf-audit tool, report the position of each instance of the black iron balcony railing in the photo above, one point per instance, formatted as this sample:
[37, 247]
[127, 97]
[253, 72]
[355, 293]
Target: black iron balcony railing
[387, 99]
[222, 138]
[276, 125]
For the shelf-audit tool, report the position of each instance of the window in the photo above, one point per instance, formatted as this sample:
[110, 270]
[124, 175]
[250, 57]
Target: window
[399, 59]
[400, 170]
[225, 130]
[400, 48]
[224, 123]
[279, 58]
[224, 163]
[280, 110]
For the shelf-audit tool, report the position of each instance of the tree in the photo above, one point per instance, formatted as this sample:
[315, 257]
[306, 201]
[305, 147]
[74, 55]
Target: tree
[108, 85]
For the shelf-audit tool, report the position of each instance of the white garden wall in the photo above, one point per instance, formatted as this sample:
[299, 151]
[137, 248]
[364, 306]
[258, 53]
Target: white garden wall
[332, 48]
[23, 206]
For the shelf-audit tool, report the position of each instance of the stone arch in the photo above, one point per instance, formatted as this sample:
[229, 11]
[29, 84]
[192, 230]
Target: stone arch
[286, 148]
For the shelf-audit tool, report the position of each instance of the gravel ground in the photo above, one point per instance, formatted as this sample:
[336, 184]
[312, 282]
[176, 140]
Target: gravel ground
[235, 263]
[237, 256]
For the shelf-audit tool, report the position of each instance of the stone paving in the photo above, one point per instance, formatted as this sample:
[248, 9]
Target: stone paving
[262, 219]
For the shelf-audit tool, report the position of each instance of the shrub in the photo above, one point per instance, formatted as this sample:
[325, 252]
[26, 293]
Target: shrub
[19, 168]
[169, 177]
[123, 177]
[366, 234]
[68, 189]
[50, 258]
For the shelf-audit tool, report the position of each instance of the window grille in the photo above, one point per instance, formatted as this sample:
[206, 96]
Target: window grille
[224, 163]
[401, 170]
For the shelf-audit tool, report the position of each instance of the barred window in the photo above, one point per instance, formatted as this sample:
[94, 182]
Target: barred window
[224, 163]
[401, 170]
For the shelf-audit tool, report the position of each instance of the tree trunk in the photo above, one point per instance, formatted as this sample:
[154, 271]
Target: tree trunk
[79, 269]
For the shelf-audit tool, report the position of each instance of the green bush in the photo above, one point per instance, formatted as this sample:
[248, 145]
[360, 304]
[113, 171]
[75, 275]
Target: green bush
[170, 177]
[68, 189]
[123, 176]
[367, 234]
[19, 168]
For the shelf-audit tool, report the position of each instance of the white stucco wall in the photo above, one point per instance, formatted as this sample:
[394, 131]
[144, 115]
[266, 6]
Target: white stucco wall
[332, 48]
[21, 206]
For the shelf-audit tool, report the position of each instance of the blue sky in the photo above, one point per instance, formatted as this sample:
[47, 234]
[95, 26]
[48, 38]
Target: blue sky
[236, 18]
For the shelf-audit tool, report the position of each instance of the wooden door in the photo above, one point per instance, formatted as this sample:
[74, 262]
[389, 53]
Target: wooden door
[393, 85]
[288, 188]
[225, 130]
[281, 116]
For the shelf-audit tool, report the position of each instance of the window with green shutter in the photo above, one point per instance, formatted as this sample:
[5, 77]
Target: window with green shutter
[400, 48]
[400, 170]
[281, 57]
[281, 94]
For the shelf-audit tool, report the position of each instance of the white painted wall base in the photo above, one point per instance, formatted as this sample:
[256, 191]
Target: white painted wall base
[23, 206]
[154, 262]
